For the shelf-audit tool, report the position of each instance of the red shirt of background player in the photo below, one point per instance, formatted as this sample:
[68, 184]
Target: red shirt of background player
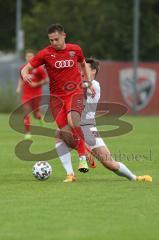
[62, 67]
[29, 92]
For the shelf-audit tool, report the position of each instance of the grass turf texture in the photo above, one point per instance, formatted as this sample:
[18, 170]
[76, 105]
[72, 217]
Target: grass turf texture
[100, 205]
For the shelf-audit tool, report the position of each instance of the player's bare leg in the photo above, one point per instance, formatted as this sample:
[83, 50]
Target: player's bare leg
[36, 110]
[27, 127]
[38, 116]
[65, 142]
[74, 118]
[65, 157]
[104, 156]
[26, 110]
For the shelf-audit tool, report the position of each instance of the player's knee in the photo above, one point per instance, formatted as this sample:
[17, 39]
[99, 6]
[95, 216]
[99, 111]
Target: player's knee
[57, 136]
[68, 138]
[73, 119]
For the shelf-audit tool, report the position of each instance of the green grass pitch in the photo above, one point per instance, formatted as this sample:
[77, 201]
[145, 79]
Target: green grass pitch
[100, 205]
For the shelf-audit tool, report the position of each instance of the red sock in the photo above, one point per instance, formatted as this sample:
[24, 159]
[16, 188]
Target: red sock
[78, 134]
[27, 123]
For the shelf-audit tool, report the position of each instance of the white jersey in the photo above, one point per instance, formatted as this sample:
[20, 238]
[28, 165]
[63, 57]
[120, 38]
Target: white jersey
[89, 112]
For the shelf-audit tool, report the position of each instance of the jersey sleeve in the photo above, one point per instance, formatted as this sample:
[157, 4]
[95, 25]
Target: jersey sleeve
[97, 90]
[96, 98]
[80, 55]
[37, 60]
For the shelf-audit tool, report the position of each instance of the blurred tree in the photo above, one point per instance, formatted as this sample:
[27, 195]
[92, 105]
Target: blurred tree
[103, 28]
[149, 30]
[7, 29]
[8, 21]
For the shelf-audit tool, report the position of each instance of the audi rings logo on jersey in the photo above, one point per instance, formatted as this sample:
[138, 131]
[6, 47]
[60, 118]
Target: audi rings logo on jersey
[64, 63]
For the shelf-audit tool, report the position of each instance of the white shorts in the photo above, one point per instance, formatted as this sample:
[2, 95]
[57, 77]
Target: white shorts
[92, 137]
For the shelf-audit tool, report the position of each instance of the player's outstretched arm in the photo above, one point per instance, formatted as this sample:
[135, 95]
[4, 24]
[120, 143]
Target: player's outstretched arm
[25, 73]
[87, 77]
[19, 86]
[85, 71]
[40, 83]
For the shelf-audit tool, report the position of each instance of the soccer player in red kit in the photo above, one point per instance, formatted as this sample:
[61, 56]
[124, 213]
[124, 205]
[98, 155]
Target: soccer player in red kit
[31, 92]
[62, 62]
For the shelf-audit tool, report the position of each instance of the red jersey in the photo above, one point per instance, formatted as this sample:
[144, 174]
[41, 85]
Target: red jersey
[38, 74]
[62, 67]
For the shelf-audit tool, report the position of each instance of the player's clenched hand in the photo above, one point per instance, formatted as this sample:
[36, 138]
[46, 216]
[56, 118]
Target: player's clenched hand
[90, 88]
[27, 78]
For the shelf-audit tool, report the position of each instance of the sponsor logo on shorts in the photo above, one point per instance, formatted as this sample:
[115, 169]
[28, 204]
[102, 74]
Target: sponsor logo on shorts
[64, 63]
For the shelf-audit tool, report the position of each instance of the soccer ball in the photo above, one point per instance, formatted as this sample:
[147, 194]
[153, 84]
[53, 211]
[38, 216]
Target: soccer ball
[42, 170]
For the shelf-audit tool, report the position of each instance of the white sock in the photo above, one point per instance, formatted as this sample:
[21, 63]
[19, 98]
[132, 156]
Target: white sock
[81, 158]
[65, 156]
[125, 172]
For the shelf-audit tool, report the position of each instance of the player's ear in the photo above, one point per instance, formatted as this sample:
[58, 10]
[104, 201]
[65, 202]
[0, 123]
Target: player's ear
[64, 34]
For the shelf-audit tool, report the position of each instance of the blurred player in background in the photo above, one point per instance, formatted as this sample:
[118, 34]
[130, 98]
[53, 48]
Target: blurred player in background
[31, 92]
[92, 138]
[62, 62]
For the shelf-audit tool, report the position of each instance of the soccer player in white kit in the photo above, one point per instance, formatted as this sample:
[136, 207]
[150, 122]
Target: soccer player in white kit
[92, 137]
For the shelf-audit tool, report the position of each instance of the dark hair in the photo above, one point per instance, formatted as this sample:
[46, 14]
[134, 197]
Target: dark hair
[94, 63]
[55, 28]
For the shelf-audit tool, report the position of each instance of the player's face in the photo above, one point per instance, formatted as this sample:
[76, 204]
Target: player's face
[57, 40]
[29, 56]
